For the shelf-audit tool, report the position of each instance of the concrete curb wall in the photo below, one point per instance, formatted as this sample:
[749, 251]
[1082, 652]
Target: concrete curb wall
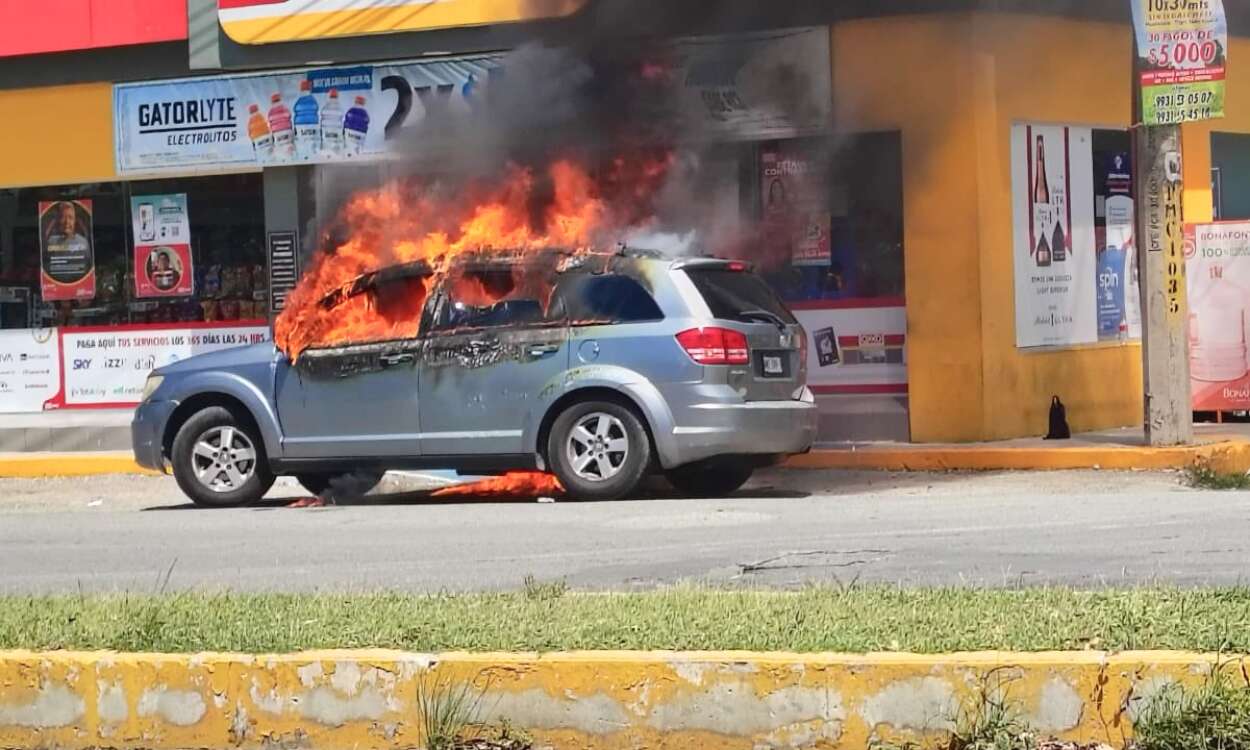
[1228, 455]
[579, 701]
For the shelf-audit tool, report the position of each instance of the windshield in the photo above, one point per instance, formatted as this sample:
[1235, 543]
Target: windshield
[737, 295]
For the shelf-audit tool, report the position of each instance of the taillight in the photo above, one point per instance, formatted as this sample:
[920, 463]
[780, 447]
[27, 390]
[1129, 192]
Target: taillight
[715, 346]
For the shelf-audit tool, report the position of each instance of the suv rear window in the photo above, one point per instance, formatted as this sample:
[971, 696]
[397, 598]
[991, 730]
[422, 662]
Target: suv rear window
[610, 298]
[738, 295]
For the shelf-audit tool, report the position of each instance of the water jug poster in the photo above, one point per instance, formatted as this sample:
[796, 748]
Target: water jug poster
[1054, 237]
[67, 247]
[797, 218]
[162, 246]
[1184, 56]
[1218, 270]
[304, 117]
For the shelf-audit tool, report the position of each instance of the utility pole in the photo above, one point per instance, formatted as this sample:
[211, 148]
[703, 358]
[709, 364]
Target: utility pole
[1160, 239]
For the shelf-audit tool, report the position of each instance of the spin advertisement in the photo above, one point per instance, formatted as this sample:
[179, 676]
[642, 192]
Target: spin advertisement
[162, 231]
[68, 250]
[1218, 270]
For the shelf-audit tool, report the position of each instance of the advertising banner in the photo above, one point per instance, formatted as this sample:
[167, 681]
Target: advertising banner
[67, 243]
[1218, 270]
[1054, 236]
[162, 258]
[1184, 53]
[856, 351]
[796, 207]
[1119, 306]
[312, 116]
[269, 21]
[108, 366]
[30, 370]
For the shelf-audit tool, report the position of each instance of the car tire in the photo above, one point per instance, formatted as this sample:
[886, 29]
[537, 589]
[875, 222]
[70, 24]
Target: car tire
[219, 460]
[586, 452]
[710, 478]
[319, 483]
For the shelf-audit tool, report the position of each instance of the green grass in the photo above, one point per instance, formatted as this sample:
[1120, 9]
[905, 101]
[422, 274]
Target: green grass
[1205, 478]
[1213, 716]
[548, 618]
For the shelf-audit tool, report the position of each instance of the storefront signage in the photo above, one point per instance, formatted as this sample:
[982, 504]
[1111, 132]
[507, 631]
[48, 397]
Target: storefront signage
[1218, 260]
[1073, 239]
[108, 366]
[67, 247]
[162, 239]
[267, 21]
[856, 351]
[797, 216]
[283, 268]
[30, 370]
[301, 117]
[1183, 48]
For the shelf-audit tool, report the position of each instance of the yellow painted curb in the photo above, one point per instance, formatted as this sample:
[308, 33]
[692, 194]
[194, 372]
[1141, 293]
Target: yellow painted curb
[40, 465]
[579, 701]
[1232, 455]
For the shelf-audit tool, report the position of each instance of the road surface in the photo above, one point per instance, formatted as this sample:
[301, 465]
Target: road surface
[785, 529]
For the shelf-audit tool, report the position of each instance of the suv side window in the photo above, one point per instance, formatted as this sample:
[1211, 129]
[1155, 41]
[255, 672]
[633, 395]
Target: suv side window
[487, 300]
[608, 298]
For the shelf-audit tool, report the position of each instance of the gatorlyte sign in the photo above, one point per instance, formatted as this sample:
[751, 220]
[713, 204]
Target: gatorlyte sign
[269, 21]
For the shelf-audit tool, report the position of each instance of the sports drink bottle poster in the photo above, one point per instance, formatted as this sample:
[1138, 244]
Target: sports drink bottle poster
[67, 258]
[162, 257]
[1217, 260]
[302, 117]
[1184, 58]
[1054, 236]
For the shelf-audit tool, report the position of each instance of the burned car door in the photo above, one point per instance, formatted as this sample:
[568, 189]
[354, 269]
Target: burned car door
[353, 402]
[486, 366]
[360, 400]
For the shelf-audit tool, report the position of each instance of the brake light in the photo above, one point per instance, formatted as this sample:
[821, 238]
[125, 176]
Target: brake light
[715, 346]
[738, 266]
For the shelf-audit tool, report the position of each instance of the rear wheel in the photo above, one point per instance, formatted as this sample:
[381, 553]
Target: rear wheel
[355, 484]
[599, 450]
[715, 478]
[219, 460]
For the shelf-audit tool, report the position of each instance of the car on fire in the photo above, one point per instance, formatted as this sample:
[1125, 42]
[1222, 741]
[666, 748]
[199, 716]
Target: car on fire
[610, 368]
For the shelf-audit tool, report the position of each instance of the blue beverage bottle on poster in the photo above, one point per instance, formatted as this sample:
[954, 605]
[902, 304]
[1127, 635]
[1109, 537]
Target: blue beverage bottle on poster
[356, 127]
[307, 123]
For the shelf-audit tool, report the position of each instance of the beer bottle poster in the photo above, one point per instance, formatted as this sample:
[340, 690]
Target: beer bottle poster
[67, 250]
[1054, 237]
[162, 258]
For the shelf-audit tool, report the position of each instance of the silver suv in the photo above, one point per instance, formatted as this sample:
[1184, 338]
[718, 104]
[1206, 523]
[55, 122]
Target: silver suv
[615, 367]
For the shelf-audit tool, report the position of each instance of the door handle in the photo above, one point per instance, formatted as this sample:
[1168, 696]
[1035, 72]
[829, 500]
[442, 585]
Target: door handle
[395, 360]
[540, 350]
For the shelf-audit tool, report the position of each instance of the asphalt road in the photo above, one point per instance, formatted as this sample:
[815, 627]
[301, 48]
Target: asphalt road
[787, 528]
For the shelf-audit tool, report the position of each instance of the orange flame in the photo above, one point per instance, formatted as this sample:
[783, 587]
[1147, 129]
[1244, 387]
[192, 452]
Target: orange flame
[514, 485]
[563, 206]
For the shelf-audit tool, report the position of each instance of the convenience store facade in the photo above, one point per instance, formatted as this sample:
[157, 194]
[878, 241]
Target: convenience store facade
[926, 109]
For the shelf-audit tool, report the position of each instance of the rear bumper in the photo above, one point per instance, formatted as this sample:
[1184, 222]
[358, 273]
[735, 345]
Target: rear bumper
[763, 428]
[146, 433]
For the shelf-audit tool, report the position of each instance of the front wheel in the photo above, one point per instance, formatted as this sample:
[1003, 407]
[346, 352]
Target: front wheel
[219, 460]
[710, 478]
[599, 450]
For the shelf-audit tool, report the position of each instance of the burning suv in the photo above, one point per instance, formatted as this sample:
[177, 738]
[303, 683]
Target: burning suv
[599, 369]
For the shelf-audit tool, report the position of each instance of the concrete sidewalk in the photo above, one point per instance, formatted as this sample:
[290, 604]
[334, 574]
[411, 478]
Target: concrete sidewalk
[1225, 448]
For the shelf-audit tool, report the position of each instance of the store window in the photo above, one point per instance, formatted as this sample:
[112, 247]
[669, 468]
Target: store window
[832, 212]
[156, 251]
[1230, 176]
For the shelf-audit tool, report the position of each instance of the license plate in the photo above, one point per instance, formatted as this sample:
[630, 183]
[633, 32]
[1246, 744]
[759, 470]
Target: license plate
[774, 366]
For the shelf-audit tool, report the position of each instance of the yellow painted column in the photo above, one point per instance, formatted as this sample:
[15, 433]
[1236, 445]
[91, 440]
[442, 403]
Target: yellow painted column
[55, 135]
